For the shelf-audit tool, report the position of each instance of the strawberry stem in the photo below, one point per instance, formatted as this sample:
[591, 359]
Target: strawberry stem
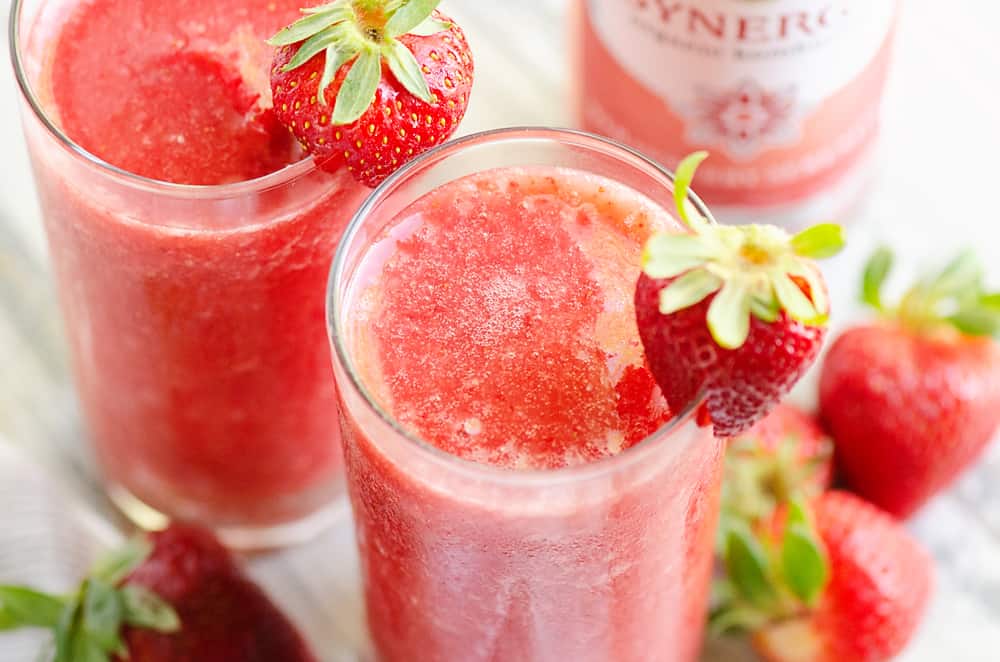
[366, 32]
[683, 177]
[876, 272]
[371, 8]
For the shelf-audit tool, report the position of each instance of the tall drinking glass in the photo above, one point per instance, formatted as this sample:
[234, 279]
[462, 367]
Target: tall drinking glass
[518, 491]
[194, 314]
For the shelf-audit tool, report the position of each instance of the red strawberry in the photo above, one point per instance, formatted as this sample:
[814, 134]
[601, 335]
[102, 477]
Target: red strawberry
[879, 584]
[913, 399]
[734, 313]
[785, 456]
[370, 84]
[181, 598]
[225, 616]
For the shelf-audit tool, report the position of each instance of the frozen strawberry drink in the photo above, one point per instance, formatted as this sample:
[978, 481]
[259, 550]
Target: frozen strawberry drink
[521, 490]
[191, 245]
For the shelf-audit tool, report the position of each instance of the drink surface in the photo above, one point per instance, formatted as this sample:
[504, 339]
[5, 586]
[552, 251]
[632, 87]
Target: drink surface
[173, 90]
[195, 320]
[500, 323]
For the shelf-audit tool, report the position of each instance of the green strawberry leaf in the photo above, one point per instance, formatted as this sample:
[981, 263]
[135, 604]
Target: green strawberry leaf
[794, 300]
[747, 567]
[669, 268]
[85, 649]
[990, 301]
[65, 631]
[819, 241]
[766, 310]
[689, 289]
[319, 42]
[145, 609]
[797, 513]
[729, 315]
[358, 89]
[977, 321]
[409, 16]
[803, 565]
[961, 277]
[803, 562]
[817, 291]
[102, 613]
[721, 591]
[682, 184]
[955, 297]
[735, 618]
[406, 69]
[116, 566]
[430, 26]
[316, 20]
[24, 607]
[335, 59]
[667, 255]
[876, 272]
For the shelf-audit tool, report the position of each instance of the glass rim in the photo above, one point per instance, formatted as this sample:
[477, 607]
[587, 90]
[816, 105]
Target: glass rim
[271, 180]
[630, 457]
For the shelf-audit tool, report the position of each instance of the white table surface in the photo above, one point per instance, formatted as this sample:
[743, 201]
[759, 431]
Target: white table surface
[935, 193]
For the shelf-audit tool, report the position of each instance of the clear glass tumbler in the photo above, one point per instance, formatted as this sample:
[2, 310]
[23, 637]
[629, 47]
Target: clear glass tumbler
[195, 318]
[605, 562]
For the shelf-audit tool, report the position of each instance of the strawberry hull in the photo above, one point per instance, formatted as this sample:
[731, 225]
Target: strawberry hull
[194, 315]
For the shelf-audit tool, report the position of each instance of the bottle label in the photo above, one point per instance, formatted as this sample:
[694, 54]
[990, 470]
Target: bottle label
[743, 75]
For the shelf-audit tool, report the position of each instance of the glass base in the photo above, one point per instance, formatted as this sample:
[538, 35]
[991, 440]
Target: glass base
[243, 538]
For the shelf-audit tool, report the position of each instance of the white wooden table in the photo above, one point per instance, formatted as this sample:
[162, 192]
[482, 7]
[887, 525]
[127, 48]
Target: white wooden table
[937, 191]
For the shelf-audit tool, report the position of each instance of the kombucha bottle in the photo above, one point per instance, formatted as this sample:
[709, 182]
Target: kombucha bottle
[785, 94]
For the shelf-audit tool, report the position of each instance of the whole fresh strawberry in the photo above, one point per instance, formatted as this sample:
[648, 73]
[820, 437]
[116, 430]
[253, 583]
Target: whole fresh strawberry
[842, 583]
[913, 398]
[732, 313]
[785, 456]
[175, 597]
[370, 84]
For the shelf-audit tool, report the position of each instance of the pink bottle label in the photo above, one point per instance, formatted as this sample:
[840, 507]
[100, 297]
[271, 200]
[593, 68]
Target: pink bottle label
[784, 93]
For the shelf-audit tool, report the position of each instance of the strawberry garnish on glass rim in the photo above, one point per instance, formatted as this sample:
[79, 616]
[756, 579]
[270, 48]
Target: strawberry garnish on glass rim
[735, 314]
[370, 84]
